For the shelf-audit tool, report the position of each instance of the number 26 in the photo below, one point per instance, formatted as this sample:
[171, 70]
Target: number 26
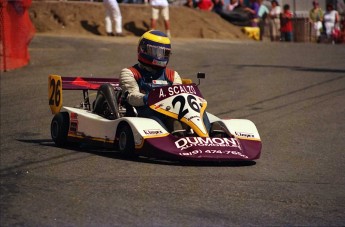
[55, 96]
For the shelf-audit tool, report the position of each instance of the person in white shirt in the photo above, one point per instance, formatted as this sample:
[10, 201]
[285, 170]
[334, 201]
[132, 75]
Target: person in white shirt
[330, 19]
[262, 15]
[163, 7]
[274, 21]
[232, 5]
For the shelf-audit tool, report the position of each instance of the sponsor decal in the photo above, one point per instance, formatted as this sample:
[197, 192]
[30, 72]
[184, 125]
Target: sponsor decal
[161, 82]
[245, 134]
[160, 63]
[158, 106]
[153, 131]
[74, 123]
[200, 152]
[192, 117]
[188, 142]
[175, 90]
[181, 89]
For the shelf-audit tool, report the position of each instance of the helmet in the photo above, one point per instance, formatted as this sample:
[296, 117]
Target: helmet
[154, 49]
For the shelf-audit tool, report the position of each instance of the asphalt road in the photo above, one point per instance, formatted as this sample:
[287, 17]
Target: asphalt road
[294, 93]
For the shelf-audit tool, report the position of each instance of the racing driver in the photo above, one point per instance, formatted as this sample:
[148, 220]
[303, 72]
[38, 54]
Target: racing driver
[154, 50]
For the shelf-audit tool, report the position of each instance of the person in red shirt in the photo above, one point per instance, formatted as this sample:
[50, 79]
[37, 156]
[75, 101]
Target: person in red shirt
[286, 24]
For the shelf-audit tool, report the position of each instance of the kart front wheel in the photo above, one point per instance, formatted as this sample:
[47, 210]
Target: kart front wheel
[125, 140]
[59, 128]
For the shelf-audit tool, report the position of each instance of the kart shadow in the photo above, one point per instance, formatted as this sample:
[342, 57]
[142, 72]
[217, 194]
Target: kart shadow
[163, 161]
[108, 153]
[197, 163]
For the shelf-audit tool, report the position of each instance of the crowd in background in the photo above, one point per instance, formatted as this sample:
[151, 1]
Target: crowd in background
[327, 25]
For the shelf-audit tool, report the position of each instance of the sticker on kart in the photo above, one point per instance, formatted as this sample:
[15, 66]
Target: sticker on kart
[218, 152]
[185, 143]
[183, 103]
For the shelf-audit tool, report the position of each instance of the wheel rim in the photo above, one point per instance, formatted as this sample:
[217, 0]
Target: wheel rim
[123, 141]
[55, 130]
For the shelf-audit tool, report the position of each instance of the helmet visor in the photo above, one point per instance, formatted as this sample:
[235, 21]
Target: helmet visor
[158, 52]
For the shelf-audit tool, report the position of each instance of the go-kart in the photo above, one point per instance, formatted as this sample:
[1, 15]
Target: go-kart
[125, 132]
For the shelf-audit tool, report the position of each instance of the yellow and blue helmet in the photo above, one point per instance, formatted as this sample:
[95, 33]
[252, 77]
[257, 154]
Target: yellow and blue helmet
[154, 49]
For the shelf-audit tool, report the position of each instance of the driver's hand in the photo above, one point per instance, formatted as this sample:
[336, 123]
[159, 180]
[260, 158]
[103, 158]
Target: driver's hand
[145, 98]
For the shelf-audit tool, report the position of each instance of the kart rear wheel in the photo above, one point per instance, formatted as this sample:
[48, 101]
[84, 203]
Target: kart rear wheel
[125, 140]
[59, 128]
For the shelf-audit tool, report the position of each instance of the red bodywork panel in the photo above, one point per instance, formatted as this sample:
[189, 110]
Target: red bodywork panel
[87, 83]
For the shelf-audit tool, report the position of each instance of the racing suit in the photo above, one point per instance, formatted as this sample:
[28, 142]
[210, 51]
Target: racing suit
[138, 88]
[137, 81]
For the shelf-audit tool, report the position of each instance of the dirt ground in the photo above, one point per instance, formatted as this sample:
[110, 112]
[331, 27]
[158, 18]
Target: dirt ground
[88, 18]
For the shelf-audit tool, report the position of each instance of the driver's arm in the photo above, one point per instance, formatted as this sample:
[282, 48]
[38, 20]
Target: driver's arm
[130, 85]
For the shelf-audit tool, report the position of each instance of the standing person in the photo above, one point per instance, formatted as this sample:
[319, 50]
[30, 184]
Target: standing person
[330, 18]
[262, 15]
[274, 21]
[163, 6]
[112, 15]
[286, 24]
[253, 10]
[315, 18]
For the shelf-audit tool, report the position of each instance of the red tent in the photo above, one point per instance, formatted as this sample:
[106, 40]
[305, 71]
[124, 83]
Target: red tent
[16, 32]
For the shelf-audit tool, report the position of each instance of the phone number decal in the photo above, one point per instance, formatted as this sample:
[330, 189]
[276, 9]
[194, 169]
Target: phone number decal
[226, 152]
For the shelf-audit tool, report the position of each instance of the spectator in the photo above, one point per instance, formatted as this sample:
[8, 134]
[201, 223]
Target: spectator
[206, 5]
[315, 18]
[274, 21]
[163, 7]
[286, 24]
[190, 4]
[330, 18]
[237, 14]
[232, 5]
[253, 11]
[218, 6]
[112, 14]
[240, 5]
[341, 11]
[262, 14]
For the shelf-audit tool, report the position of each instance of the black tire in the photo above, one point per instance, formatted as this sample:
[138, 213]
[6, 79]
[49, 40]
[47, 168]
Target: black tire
[59, 128]
[125, 140]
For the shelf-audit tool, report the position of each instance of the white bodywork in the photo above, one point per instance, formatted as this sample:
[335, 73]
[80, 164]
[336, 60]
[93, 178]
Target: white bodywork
[98, 128]
[240, 128]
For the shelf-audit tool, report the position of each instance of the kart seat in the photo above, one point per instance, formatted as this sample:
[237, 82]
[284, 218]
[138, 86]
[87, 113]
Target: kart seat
[125, 108]
[105, 104]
